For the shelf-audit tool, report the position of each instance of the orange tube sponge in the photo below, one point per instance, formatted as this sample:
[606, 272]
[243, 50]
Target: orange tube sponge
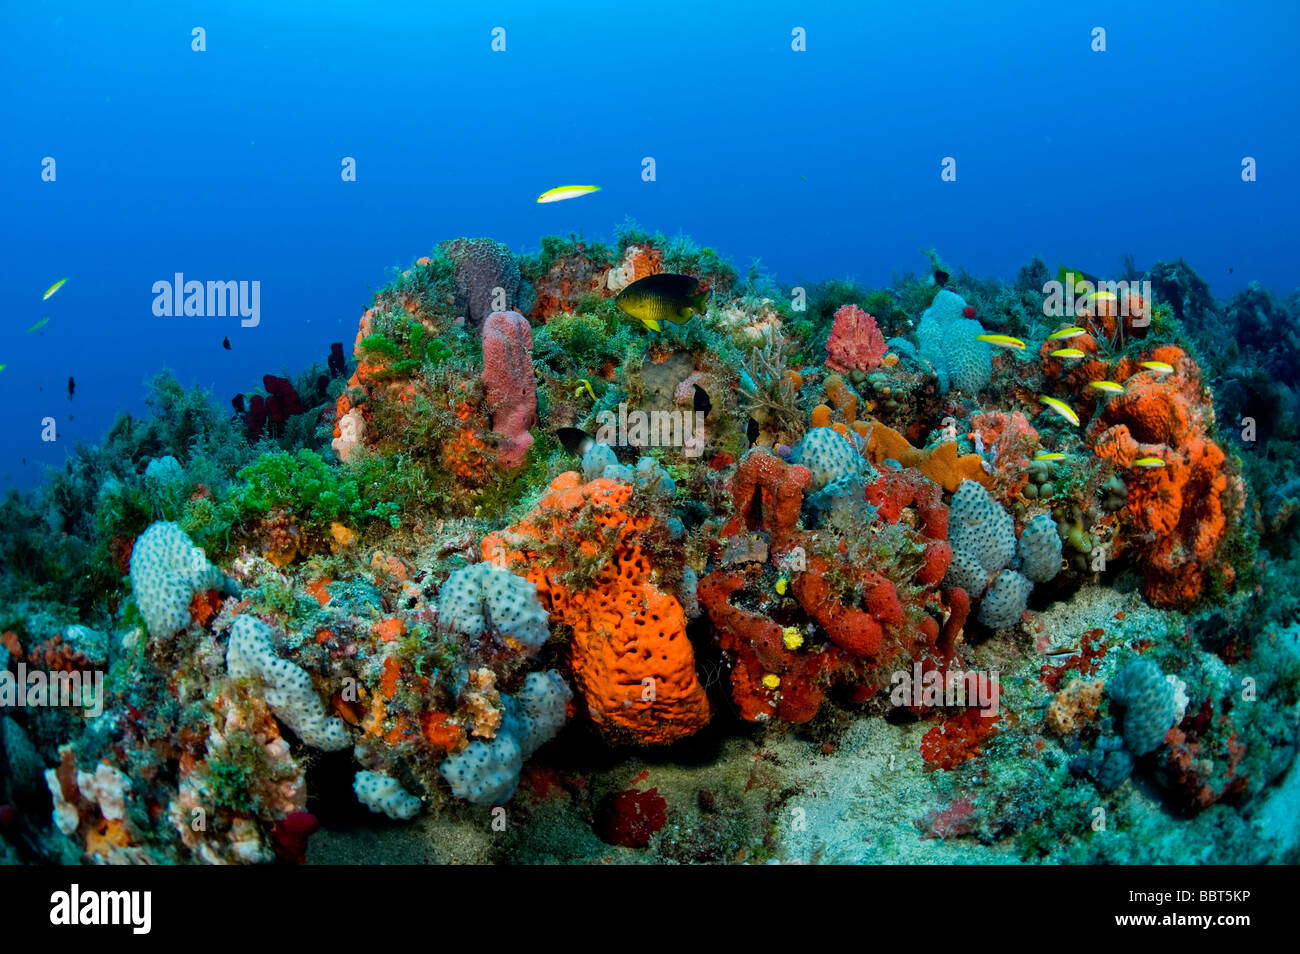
[768, 493]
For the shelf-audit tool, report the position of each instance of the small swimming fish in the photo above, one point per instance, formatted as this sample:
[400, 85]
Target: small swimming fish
[1148, 462]
[940, 277]
[1159, 367]
[1072, 332]
[1002, 341]
[1063, 652]
[72, 387]
[584, 385]
[38, 324]
[1067, 353]
[1061, 408]
[560, 193]
[225, 342]
[1049, 455]
[1100, 295]
[53, 288]
[702, 402]
[751, 429]
[1067, 275]
[664, 297]
[3, 366]
[574, 439]
[1110, 387]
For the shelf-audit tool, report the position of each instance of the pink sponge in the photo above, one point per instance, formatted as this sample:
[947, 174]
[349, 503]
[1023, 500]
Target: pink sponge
[856, 343]
[509, 382]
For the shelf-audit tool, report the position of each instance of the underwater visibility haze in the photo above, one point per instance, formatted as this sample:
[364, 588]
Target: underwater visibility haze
[687, 434]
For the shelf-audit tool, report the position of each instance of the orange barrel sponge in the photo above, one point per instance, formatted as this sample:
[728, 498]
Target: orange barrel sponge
[630, 655]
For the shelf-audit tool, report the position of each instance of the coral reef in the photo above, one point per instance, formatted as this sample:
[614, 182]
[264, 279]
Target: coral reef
[654, 595]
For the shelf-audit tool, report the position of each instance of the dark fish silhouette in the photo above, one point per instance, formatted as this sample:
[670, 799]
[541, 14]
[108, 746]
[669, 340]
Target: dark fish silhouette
[751, 431]
[72, 387]
[702, 402]
[940, 277]
[574, 439]
[225, 342]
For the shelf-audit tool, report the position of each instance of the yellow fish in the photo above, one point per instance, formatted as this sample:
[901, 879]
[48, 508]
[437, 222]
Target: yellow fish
[781, 585]
[53, 288]
[1110, 387]
[1067, 353]
[1002, 341]
[1072, 332]
[1148, 462]
[663, 297]
[560, 193]
[1159, 367]
[1049, 455]
[584, 385]
[1061, 408]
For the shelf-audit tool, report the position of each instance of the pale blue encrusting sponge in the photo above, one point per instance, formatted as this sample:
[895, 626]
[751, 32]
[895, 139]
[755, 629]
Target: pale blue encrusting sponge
[483, 596]
[486, 773]
[167, 569]
[1153, 703]
[949, 344]
[828, 457]
[986, 560]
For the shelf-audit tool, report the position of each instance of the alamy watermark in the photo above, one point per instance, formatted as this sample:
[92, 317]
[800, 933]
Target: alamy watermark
[133, 909]
[632, 428]
[1077, 294]
[952, 688]
[37, 688]
[195, 299]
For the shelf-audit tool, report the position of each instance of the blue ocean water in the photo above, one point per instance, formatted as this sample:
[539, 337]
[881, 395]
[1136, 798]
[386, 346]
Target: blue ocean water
[225, 164]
